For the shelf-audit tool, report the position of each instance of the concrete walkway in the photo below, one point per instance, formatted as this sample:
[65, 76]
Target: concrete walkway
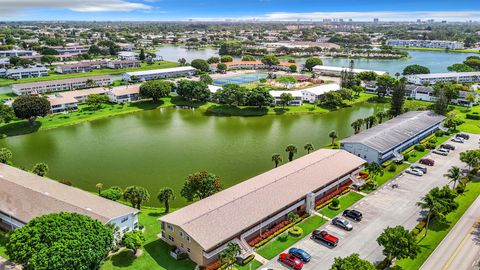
[320, 215]
[6, 265]
[259, 258]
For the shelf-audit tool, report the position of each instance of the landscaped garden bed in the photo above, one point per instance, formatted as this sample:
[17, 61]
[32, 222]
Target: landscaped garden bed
[346, 201]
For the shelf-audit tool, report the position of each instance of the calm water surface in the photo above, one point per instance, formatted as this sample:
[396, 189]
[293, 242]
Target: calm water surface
[161, 147]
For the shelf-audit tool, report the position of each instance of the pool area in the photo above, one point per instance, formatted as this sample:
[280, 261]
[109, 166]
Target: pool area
[240, 79]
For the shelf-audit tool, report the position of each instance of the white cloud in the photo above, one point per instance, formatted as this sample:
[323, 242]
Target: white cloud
[9, 7]
[383, 15]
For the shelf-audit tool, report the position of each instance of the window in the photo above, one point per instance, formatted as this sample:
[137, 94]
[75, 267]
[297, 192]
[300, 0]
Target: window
[124, 219]
[126, 230]
[181, 234]
[188, 249]
[171, 238]
[188, 238]
[170, 227]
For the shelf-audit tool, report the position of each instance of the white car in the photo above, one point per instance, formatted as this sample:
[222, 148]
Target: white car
[414, 172]
[458, 140]
[441, 151]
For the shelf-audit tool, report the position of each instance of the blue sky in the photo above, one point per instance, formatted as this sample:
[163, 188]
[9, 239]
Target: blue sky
[164, 10]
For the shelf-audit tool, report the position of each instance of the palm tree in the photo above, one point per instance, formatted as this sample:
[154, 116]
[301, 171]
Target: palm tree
[291, 150]
[309, 147]
[333, 135]
[397, 75]
[374, 169]
[433, 206]
[99, 187]
[165, 195]
[357, 125]
[229, 253]
[90, 83]
[381, 116]
[454, 174]
[277, 159]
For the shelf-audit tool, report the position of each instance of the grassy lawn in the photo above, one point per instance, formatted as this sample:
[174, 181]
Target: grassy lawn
[3, 242]
[346, 201]
[275, 247]
[469, 125]
[251, 265]
[438, 231]
[156, 252]
[95, 72]
[387, 176]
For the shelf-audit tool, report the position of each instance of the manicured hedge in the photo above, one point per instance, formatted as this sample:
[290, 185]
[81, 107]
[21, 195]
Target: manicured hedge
[295, 231]
[473, 116]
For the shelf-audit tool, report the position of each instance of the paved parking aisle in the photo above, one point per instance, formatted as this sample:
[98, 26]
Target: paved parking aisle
[382, 208]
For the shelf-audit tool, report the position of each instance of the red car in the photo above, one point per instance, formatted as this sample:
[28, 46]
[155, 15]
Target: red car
[427, 161]
[325, 237]
[291, 261]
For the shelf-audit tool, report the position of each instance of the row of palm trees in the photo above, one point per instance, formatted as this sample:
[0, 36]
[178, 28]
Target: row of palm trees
[369, 122]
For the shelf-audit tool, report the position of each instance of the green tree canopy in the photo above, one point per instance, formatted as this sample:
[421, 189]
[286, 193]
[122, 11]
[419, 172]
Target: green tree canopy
[285, 98]
[136, 195]
[60, 242]
[232, 95]
[201, 65]
[30, 107]
[249, 58]
[460, 67]
[6, 113]
[398, 242]
[352, 262]
[133, 240]
[200, 185]
[156, 89]
[270, 60]
[259, 97]
[206, 79]
[311, 62]
[415, 69]
[213, 60]
[367, 76]
[5, 156]
[114, 193]
[291, 150]
[95, 101]
[287, 80]
[193, 90]
[40, 169]
[398, 98]
[165, 196]
[226, 59]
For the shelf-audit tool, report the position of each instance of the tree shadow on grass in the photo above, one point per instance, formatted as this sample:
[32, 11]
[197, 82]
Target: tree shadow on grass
[123, 259]
[226, 110]
[156, 214]
[146, 104]
[19, 128]
[180, 101]
[160, 252]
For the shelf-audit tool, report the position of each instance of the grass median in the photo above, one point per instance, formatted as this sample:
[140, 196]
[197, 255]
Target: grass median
[346, 201]
[276, 246]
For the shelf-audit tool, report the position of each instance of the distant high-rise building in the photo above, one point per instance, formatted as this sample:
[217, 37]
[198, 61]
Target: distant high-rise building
[376, 20]
[419, 20]
[350, 20]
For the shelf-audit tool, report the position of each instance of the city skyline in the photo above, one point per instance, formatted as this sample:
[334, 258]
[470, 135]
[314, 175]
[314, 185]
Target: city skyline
[262, 10]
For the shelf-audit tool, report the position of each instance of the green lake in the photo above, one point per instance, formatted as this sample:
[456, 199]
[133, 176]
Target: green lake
[161, 147]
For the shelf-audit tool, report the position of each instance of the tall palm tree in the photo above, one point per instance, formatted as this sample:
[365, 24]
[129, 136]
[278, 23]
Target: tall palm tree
[277, 159]
[90, 83]
[381, 116]
[291, 150]
[99, 187]
[165, 195]
[374, 169]
[333, 135]
[357, 125]
[454, 174]
[433, 206]
[309, 147]
[397, 75]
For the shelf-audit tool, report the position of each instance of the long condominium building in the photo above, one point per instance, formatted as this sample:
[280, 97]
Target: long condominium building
[26, 72]
[238, 214]
[60, 85]
[337, 71]
[459, 77]
[436, 44]
[158, 74]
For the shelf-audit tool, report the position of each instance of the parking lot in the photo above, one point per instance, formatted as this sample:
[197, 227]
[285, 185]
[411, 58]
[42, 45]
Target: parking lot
[382, 208]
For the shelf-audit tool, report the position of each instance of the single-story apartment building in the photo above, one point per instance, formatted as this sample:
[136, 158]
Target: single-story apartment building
[25, 196]
[297, 97]
[118, 64]
[313, 94]
[337, 71]
[67, 101]
[18, 53]
[240, 213]
[163, 73]
[389, 139]
[80, 67]
[60, 85]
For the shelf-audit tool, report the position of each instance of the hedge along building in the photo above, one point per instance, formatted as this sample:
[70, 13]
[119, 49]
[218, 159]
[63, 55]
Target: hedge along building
[240, 213]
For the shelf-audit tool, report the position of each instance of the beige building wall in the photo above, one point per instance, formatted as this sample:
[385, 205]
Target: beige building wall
[175, 236]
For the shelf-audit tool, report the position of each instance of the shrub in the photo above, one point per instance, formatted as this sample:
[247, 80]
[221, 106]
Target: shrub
[406, 157]
[246, 260]
[335, 202]
[283, 238]
[430, 145]
[432, 140]
[439, 133]
[472, 116]
[296, 231]
[392, 168]
[419, 147]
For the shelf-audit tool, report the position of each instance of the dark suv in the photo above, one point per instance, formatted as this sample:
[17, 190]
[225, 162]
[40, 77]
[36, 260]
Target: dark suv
[353, 214]
[447, 146]
[463, 136]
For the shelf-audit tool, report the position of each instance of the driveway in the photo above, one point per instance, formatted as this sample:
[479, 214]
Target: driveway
[382, 208]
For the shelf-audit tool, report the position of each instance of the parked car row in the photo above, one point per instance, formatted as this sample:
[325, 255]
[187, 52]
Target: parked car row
[295, 258]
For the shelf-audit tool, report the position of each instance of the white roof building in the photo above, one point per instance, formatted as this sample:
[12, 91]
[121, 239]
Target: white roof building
[313, 93]
[159, 73]
[336, 71]
[460, 77]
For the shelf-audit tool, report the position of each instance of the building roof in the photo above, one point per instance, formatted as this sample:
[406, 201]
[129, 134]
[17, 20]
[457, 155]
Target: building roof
[218, 218]
[25, 196]
[72, 96]
[322, 89]
[339, 69]
[394, 132]
[213, 88]
[63, 81]
[26, 69]
[159, 71]
[125, 90]
[278, 93]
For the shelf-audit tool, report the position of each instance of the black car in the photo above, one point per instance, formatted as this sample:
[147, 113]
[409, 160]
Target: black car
[353, 214]
[447, 146]
[463, 136]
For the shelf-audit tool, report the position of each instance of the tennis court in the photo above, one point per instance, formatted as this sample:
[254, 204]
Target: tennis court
[240, 79]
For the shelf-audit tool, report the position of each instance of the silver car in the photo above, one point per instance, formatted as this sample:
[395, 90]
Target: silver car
[441, 151]
[342, 223]
[458, 140]
[414, 172]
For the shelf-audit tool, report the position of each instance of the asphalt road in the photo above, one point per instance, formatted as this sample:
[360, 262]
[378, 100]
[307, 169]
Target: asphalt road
[382, 208]
[461, 248]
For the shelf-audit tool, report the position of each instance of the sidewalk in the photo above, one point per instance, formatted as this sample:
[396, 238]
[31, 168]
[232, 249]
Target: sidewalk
[6, 265]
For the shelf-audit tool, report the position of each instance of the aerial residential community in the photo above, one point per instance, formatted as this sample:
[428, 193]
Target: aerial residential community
[209, 135]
